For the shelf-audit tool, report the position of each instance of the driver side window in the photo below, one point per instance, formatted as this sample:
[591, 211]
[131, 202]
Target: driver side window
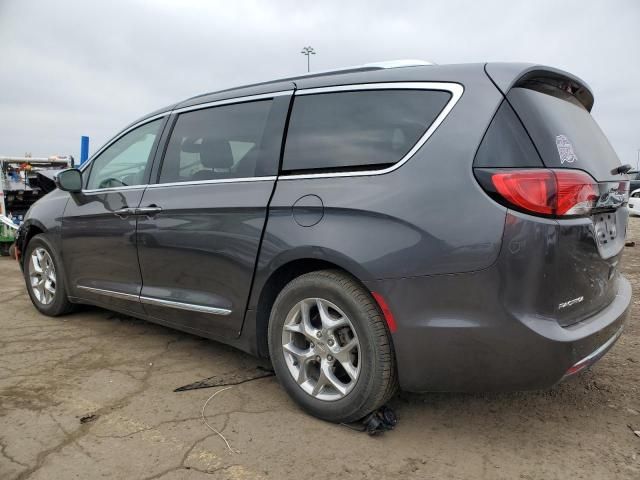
[125, 161]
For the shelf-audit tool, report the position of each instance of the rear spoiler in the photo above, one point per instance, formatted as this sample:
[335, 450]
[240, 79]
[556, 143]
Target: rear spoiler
[537, 77]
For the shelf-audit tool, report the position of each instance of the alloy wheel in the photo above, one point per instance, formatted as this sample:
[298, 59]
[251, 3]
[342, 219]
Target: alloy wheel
[321, 349]
[42, 276]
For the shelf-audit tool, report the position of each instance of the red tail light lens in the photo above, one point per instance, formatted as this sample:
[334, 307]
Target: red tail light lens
[577, 192]
[542, 191]
[531, 190]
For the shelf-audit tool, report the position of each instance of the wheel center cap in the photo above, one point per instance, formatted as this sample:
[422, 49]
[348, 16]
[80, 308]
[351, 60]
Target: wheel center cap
[321, 347]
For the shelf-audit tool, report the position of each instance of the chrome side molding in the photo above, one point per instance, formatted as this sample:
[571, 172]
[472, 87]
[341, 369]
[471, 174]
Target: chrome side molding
[157, 301]
[184, 306]
[110, 293]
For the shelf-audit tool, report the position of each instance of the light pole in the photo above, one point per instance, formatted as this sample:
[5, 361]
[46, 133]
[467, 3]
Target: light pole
[308, 51]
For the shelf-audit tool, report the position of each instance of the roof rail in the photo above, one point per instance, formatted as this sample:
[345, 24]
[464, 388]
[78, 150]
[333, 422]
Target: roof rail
[319, 73]
[368, 66]
[399, 63]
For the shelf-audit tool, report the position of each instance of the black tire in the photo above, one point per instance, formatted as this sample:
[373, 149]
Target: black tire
[377, 381]
[60, 304]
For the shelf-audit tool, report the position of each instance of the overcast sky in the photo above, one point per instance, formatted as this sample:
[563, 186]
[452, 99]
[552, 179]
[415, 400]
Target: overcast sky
[72, 68]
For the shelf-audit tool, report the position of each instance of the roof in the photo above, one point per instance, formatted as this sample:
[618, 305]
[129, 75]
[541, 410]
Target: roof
[504, 75]
[394, 71]
[329, 73]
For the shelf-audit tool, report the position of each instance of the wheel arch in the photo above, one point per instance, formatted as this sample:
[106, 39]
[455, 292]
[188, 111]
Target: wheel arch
[29, 230]
[281, 273]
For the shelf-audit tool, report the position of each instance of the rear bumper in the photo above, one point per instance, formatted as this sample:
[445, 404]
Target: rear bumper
[594, 356]
[455, 334]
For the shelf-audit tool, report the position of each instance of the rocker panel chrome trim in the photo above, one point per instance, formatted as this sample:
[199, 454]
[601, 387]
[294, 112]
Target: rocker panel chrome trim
[157, 301]
[184, 306]
[110, 293]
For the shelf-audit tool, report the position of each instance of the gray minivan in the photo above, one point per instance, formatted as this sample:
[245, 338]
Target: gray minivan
[432, 228]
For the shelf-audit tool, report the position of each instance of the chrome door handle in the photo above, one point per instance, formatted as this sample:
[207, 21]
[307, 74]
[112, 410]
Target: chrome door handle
[124, 212]
[149, 211]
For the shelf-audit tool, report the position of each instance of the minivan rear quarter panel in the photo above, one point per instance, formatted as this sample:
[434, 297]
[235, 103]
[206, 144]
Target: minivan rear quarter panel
[421, 224]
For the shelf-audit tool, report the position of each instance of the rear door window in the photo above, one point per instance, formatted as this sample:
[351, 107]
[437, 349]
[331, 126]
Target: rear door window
[340, 131]
[217, 143]
[564, 132]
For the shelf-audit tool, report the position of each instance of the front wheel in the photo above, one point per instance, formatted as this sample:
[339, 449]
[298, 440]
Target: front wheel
[330, 347]
[44, 278]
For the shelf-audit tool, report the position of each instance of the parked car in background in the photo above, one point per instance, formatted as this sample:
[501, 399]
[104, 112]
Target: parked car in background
[634, 203]
[634, 180]
[436, 228]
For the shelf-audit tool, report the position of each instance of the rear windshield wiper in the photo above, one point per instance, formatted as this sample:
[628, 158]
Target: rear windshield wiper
[621, 169]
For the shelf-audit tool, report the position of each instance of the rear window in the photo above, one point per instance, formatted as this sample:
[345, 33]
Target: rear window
[565, 133]
[355, 130]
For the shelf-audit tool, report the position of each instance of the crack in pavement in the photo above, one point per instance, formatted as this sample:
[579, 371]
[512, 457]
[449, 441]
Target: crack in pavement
[85, 429]
[3, 452]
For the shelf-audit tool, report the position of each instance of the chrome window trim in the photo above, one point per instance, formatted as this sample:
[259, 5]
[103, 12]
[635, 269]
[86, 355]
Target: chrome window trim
[231, 101]
[455, 89]
[187, 182]
[219, 103]
[208, 182]
[184, 306]
[119, 135]
[156, 301]
[110, 293]
[115, 189]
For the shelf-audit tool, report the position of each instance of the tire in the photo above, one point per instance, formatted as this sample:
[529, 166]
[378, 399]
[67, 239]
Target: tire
[53, 304]
[299, 356]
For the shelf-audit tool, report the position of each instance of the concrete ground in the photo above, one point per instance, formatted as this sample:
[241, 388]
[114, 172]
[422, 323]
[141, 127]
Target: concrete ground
[54, 372]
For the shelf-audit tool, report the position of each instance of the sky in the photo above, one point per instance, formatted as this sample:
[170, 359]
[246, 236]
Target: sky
[72, 68]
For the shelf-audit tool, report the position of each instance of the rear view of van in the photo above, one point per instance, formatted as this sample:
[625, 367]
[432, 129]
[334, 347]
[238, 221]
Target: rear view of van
[544, 155]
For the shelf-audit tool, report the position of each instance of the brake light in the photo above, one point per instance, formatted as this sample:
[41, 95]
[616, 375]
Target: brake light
[531, 190]
[542, 191]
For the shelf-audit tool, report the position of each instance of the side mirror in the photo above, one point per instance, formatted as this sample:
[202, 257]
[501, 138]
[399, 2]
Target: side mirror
[69, 180]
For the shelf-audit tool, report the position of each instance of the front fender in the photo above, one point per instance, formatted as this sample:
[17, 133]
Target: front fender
[45, 215]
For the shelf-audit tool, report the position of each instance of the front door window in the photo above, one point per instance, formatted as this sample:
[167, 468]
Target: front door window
[124, 163]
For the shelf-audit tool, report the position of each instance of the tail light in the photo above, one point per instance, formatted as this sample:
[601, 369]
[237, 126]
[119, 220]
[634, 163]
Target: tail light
[553, 193]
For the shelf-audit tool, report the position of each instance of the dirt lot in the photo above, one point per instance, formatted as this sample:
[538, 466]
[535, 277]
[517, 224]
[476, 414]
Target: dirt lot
[53, 372]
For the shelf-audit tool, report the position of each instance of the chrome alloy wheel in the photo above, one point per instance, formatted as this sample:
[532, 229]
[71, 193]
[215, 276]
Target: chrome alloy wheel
[42, 275]
[321, 349]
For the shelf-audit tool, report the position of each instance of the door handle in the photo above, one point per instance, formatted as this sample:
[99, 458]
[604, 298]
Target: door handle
[124, 212]
[149, 211]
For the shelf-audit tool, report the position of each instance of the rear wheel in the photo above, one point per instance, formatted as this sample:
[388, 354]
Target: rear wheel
[44, 278]
[330, 346]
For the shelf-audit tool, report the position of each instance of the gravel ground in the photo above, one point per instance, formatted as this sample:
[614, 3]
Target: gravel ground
[54, 372]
